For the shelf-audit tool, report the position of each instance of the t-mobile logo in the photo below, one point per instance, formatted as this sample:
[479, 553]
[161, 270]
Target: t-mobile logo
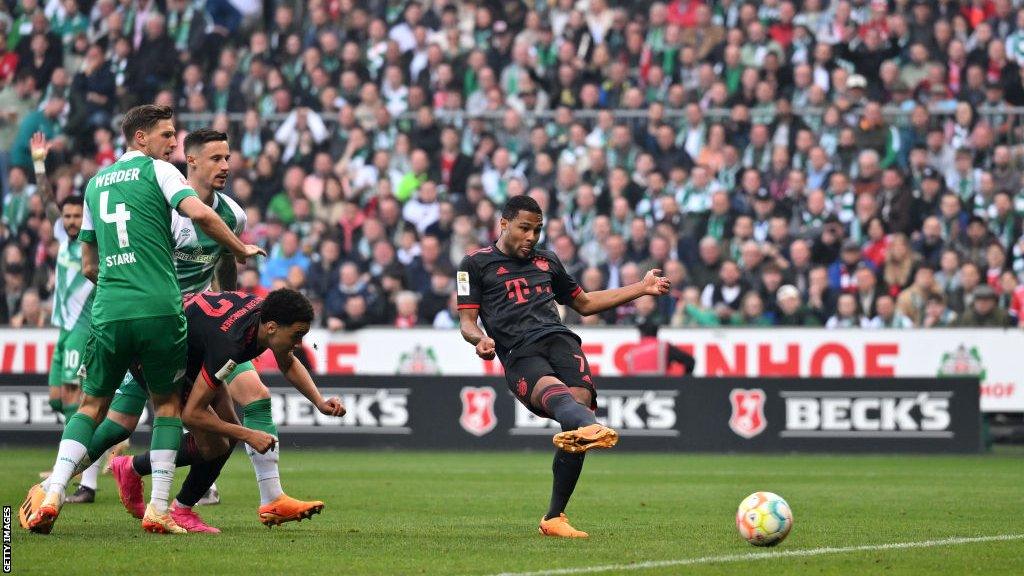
[517, 289]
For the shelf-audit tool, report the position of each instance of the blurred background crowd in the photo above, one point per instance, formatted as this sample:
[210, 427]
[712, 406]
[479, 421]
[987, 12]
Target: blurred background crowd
[851, 163]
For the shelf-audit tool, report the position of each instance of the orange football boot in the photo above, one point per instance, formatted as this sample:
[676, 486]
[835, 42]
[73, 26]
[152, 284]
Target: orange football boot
[583, 439]
[559, 526]
[31, 505]
[287, 509]
[41, 521]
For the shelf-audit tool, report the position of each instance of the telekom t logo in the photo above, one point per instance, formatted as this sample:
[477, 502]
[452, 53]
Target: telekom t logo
[517, 289]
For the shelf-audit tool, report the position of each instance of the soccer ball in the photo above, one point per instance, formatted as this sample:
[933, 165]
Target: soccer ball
[764, 519]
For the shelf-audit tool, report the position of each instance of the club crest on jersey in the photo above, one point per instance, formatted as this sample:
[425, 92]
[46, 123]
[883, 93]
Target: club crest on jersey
[478, 410]
[522, 388]
[747, 419]
[541, 263]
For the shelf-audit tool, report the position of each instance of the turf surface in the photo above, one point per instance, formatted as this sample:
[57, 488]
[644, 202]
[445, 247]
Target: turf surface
[476, 513]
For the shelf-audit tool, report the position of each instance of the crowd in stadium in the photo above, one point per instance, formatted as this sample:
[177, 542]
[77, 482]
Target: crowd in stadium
[841, 163]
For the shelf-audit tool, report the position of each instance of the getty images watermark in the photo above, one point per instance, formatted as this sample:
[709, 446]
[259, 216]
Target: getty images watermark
[7, 539]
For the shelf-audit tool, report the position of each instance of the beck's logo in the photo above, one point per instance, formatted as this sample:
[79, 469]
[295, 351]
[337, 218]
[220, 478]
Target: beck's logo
[541, 263]
[747, 418]
[478, 410]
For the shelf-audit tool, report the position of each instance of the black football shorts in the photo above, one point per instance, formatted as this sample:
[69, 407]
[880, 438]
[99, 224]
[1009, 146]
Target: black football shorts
[557, 355]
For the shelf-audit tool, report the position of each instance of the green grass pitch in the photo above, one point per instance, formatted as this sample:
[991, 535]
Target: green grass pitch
[476, 514]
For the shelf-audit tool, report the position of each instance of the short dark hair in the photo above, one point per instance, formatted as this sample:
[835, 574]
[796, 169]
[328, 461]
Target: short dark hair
[73, 200]
[286, 307]
[196, 140]
[143, 118]
[517, 203]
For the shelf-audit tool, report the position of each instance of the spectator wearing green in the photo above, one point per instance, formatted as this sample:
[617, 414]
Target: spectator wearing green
[46, 120]
[16, 101]
[281, 204]
[412, 180]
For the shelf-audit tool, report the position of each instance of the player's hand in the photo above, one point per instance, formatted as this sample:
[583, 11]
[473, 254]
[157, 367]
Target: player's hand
[331, 407]
[261, 441]
[655, 285]
[249, 251]
[39, 146]
[485, 348]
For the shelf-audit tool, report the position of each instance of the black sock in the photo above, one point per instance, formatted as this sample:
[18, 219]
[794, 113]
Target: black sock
[188, 454]
[566, 468]
[200, 477]
[563, 408]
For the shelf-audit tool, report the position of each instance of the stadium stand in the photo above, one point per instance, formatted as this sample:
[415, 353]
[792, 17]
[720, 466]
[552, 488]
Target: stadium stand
[845, 163]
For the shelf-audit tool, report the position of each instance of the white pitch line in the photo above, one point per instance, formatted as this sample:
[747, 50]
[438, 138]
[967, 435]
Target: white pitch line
[769, 555]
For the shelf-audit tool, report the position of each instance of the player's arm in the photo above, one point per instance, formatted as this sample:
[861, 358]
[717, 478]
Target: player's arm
[587, 303]
[209, 222]
[197, 415]
[40, 148]
[297, 375]
[90, 262]
[90, 255]
[469, 293]
[471, 332]
[225, 278]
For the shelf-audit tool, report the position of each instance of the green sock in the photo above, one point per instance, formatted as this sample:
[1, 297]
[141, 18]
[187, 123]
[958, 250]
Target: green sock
[77, 434]
[80, 428]
[108, 434]
[56, 405]
[162, 450]
[166, 433]
[69, 411]
[257, 416]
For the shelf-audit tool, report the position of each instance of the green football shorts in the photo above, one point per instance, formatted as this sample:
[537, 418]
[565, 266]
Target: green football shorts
[131, 396]
[67, 356]
[157, 345]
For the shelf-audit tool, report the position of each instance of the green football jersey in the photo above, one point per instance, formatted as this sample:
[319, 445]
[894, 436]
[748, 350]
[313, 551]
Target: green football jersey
[72, 292]
[195, 254]
[127, 215]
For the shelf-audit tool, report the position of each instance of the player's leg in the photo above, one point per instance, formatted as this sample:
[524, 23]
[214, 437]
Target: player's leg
[162, 353]
[224, 407]
[56, 377]
[71, 395]
[206, 455]
[122, 419]
[87, 483]
[105, 362]
[216, 450]
[276, 507]
[573, 370]
[54, 380]
[567, 396]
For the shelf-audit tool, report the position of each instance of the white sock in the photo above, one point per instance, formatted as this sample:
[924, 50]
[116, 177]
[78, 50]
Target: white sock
[268, 478]
[91, 474]
[70, 453]
[162, 462]
[180, 506]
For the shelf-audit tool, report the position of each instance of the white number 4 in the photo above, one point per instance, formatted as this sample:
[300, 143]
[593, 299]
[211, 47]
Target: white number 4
[119, 216]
